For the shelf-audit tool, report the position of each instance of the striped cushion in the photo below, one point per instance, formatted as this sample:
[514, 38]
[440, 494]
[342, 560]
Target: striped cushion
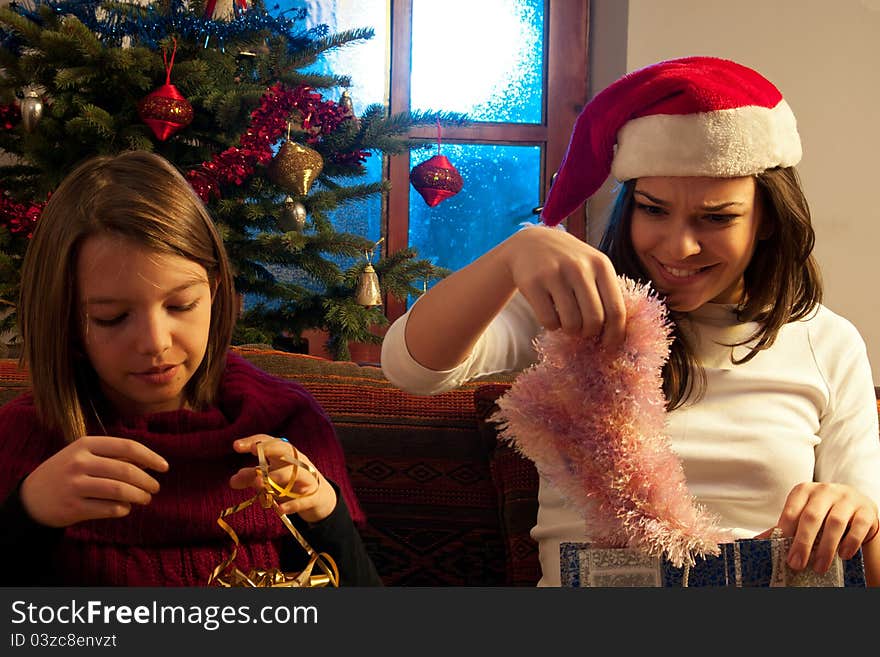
[13, 381]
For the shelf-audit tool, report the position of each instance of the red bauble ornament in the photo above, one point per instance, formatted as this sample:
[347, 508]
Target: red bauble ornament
[436, 180]
[165, 110]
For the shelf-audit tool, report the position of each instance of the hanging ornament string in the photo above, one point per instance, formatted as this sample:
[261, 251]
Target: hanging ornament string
[369, 254]
[436, 179]
[439, 136]
[168, 66]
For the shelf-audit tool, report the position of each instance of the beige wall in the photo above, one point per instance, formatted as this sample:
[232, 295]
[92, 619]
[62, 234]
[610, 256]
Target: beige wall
[825, 58]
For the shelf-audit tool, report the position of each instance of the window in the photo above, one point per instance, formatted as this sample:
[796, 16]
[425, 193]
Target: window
[517, 67]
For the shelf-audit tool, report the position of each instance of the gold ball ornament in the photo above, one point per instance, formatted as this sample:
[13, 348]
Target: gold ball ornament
[31, 108]
[295, 167]
[292, 216]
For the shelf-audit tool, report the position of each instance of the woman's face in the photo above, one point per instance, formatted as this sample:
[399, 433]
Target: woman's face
[146, 317]
[695, 236]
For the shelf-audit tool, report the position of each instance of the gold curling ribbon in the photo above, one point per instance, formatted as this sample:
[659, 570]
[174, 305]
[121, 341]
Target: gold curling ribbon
[329, 573]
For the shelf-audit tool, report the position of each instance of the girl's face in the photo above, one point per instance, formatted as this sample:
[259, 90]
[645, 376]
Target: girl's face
[146, 317]
[695, 236]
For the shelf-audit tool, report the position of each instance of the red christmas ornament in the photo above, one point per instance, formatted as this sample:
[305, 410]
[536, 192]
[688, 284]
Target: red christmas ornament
[436, 180]
[165, 110]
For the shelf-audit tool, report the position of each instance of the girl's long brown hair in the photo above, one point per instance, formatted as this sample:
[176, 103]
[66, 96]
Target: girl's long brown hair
[143, 198]
[782, 281]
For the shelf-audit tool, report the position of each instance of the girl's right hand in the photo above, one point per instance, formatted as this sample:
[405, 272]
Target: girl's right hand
[93, 477]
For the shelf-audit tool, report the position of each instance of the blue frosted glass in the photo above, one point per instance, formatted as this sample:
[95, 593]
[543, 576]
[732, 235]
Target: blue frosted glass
[366, 62]
[499, 193]
[481, 57]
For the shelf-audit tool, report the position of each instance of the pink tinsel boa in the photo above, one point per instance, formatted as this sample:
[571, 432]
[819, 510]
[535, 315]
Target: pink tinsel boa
[593, 422]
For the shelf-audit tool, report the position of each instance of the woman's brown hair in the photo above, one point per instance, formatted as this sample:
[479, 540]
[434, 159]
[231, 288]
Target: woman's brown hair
[782, 280]
[143, 198]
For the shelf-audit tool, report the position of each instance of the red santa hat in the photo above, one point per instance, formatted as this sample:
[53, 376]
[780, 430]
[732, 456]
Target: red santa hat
[694, 116]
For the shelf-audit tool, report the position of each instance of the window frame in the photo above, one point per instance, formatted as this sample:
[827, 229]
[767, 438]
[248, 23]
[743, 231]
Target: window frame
[565, 93]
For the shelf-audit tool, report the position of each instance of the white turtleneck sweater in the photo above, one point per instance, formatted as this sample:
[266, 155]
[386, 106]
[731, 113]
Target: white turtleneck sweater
[803, 410]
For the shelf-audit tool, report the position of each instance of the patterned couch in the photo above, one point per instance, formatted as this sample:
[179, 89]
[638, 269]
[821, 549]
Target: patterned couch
[446, 504]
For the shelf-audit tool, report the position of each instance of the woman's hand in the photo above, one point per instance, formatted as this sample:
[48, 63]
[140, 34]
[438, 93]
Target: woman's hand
[569, 284]
[841, 518]
[93, 477]
[318, 497]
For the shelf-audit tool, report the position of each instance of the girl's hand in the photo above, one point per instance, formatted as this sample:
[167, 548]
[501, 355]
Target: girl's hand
[845, 518]
[319, 498]
[569, 284]
[93, 477]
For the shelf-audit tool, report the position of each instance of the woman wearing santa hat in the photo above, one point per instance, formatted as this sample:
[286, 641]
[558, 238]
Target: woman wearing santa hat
[770, 396]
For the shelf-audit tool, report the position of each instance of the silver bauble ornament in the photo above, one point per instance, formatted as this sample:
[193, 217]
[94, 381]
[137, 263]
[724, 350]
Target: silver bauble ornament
[31, 107]
[292, 216]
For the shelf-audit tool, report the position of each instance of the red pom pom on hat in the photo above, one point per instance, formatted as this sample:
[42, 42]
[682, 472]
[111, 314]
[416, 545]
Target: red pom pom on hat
[693, 116]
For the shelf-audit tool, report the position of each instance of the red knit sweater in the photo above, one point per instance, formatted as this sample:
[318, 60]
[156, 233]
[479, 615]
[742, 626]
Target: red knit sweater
[175, 540]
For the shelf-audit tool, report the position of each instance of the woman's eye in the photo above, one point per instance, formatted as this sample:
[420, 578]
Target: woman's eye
[721, 218]
[110, 321]
[649, 209]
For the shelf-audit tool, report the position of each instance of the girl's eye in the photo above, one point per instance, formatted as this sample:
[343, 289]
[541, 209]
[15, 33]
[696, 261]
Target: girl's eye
[184, 307]
[112, 321]
[654, 210]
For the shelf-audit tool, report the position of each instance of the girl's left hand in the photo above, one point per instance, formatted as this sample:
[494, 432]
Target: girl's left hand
[319, 498]
[845, 518]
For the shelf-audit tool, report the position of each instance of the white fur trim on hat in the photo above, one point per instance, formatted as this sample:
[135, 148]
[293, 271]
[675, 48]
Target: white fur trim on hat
[722, 143]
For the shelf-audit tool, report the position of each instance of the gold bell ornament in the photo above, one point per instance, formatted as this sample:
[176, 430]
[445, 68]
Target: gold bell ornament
[346, 103]
[295, 167]
[347, 106]
[368, 293]
[292, 216]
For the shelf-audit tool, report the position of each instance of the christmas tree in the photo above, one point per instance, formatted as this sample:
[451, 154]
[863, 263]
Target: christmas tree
[232, 104]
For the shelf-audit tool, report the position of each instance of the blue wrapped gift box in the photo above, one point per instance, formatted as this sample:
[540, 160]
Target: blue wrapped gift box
[742, 563]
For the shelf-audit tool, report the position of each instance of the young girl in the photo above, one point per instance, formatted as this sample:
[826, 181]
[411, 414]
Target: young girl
[770, 394]
[142, 427]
